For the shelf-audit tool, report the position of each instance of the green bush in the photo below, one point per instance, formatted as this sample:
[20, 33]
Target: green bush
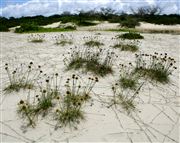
[27, 28]
[3, 28]
[131, 36]
[130, 23]
[85, 23]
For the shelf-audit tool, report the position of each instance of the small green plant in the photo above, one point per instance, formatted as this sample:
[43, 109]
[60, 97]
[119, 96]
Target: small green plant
[22, 77]
[129, 23]
[26, 111]
[131, 36]
[124, 100]
[156, 67]
[98, 61]
[70, 117]
[63, 40]
[123, 47]
[41, 104]
[36, 38]
[126, 45]
[69, 112]
[92, 42]
[128, 80]
[47, 95]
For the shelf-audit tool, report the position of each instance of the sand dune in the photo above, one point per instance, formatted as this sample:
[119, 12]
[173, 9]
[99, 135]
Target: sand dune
[157, 118]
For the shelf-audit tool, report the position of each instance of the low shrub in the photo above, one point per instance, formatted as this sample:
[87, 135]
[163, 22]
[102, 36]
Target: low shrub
[131, 36]
[130, 23]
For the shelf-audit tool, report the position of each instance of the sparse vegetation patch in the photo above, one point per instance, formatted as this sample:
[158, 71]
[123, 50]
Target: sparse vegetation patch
[21, 77]
[93, 42]
[157, 67]
[63, 40]
[97, 61]
[36, 38]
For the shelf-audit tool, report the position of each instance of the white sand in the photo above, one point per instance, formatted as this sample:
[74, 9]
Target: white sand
[148, 26]
[53, 25]
[159, 105]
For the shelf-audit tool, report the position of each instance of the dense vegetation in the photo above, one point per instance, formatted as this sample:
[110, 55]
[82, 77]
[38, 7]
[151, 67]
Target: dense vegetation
[84, 18]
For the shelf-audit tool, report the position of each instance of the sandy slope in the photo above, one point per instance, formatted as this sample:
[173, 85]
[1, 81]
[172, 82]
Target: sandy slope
[158, 116]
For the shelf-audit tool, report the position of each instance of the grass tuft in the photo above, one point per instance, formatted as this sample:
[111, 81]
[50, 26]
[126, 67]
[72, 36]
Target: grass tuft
[69, 112]
[22, 77]
[126, 47]
[156, 67]
[36, 38]
[93, 42]
[128, 80]
[63, 40]
[96, 61]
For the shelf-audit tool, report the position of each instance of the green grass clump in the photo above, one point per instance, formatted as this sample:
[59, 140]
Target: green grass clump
[70, 112]
[128, 83]
[21, 79]
[36, 38]
[26, 112]
[126, 47]
[63, 40]
[128, 80]
[96, 61]
[122, 100]
[63, 43]
[16, 86]
[44, 103]
[70, 117]
[93, 43]
[131, 36]
[157, 67]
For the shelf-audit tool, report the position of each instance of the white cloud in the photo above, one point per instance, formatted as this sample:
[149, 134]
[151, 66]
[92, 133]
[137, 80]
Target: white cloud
[49, 7]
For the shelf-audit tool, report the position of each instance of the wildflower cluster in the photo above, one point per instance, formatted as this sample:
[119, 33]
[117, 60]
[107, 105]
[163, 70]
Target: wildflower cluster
[22, 77]
[125, 45]
[63, 40]
[97, 61]
[69, 111]
[128, 80]
[155, 66]
[92, 42]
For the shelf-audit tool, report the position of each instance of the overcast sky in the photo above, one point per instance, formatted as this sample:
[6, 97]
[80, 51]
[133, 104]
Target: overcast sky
[18, 8]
